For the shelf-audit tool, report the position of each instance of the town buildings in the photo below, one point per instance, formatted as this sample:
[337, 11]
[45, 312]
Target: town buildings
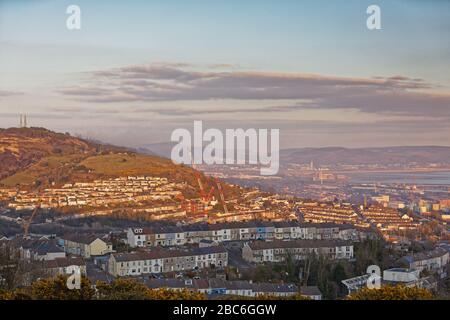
[278, 251]
[242, 231]
[85, 245]
[99, 193]
[166, 260]
[432, 261]
[64, 266]
[328, 212]
[388, 220]
[311, 292]
[37, 249]
[217, 287]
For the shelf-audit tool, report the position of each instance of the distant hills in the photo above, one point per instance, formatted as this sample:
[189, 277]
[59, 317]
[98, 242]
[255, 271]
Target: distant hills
[401, 155]
[422, 155]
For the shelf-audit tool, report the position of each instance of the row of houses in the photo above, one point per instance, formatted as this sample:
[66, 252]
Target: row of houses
[45, 249]
[328, 212]
[278, 251]
[86, 245]
[240, 231]
[166, 260]
[42, 249]
[98, 193]
[218, 287]
[434, 260]
[41, 258]
[388, 220]
[64, 266]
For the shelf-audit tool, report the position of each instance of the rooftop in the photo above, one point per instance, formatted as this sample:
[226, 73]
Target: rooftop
[310, 291]
[160, 253]
[261, 245]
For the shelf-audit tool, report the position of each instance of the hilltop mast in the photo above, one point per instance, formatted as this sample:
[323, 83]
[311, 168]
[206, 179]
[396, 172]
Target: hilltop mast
[22, 120]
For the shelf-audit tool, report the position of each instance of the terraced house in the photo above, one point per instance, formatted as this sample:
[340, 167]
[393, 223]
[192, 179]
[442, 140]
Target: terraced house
[277, 251]
[217, 287]
[240, 231]
[37, 249]
[135, 263]
[85, 245]
[435, 260]
[165, 260]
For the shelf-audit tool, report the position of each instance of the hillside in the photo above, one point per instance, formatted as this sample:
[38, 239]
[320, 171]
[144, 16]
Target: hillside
[21, 148]
[36, 158]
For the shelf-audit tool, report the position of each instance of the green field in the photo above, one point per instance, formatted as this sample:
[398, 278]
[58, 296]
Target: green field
[44, 167]
[129, 164]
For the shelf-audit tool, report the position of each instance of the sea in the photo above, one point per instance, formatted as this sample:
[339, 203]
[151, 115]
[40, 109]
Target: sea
[419, 178]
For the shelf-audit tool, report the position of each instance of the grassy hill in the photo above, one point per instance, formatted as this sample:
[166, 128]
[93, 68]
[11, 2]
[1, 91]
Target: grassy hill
[21, 148]
[35, 158]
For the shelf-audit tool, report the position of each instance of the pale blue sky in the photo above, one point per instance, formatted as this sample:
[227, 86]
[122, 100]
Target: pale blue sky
[40, 61]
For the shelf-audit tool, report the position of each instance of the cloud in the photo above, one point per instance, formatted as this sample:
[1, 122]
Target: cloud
[398, 94]
[7, 93]
[180, 111]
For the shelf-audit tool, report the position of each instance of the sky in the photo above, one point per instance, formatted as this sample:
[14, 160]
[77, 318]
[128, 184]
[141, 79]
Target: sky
[137, 70]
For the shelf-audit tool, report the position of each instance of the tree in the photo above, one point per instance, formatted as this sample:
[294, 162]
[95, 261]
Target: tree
[371, 252]
[166, 294]
[18, 294]
[339, 274]
[11, 268]
[129, 289]
[290, 267]
[56, 289]
[398, 292]
[122, 289]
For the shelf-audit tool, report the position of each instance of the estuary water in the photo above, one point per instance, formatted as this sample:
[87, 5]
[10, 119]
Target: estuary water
[421, 178]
